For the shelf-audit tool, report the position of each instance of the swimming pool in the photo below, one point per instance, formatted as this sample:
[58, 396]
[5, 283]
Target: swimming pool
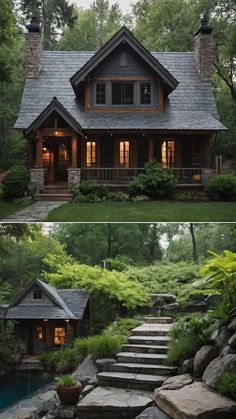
[19, 384]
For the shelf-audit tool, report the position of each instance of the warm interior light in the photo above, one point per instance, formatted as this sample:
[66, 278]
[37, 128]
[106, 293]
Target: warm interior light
[44, 149]
[67, 321]
[124, 153]
[45, 320]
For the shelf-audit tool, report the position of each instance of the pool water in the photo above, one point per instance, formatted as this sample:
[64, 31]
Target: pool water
[19, 384]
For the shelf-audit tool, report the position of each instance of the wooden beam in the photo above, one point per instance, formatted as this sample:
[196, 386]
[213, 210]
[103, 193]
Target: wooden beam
[39, 151]
[150, 149]
[74, 152]
[60, 132]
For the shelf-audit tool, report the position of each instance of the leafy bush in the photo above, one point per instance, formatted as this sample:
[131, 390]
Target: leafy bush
[90, 198]
[60, 361]
[102, 192]
[4, 358]
[222, 313]
[103, 346]
[67, 381]
[227, 384]
[118, 196]
[139, 198]
[16, 182]
[221, 188]
[88, 187]
[122, 327]
[188, 335]
[157, 182]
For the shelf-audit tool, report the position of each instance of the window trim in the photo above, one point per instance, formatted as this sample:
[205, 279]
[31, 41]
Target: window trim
[58, 336]
[168, 163]
[37, 291]
[124, 165]
[148, 105]
[101, 105]
[132, 105]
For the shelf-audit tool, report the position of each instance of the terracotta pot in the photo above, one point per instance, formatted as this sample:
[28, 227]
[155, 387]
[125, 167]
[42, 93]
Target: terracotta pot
[69, 396]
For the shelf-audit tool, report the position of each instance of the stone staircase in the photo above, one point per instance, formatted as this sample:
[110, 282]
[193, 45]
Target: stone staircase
[126, 387]
[54, 192]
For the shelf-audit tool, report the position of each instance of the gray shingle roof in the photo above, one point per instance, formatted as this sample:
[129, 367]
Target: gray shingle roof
[68, 304]
[191, 106]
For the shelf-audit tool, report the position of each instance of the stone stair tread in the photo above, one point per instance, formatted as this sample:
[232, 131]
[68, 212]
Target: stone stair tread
[150, 338]
[141, 355]
[142, 365]
[144, 346]
[132, 377]
[147, 327]
[162, 320]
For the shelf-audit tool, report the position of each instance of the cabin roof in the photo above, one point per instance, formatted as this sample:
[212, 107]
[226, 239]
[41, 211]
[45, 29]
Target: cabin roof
[68, 304]
[191, 106]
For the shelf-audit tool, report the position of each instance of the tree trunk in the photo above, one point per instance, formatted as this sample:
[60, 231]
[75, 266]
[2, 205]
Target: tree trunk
[195, 255]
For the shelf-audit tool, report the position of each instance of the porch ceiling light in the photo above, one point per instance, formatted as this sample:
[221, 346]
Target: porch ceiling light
[67, 321]
[45, 320]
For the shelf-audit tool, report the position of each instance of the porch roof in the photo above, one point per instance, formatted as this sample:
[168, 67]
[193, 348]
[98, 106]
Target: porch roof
[191, 106]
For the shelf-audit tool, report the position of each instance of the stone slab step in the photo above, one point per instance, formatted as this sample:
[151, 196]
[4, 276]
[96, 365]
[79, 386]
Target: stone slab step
[112, 402]
[153, 369]
[151, 349]
[160, 320]
[53, 197]
[153, 329]
[141, 358]
[56, 191]
[149, 340]
[130, 380]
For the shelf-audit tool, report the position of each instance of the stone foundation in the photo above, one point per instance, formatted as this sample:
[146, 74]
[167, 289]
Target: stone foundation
[74, 176]
[37, 177]
[207, 174]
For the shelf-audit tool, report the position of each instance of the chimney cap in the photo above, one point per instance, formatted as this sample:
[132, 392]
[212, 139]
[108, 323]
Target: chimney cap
[34, 25]
[204, 28]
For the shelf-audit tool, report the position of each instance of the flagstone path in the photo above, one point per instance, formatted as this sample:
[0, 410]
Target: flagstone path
[35, 212]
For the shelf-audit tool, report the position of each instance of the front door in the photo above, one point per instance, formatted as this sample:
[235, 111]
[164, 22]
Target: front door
[38, 339]
[62, 161]
[56, 158]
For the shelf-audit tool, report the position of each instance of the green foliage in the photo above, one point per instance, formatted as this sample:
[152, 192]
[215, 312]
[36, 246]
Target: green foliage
[67, 381]
[102, 192]
[157, 182]
[114, 285]
[118, 196]
[103, 346]
[227, 384]
[120, 263]
[60, 361]
[122, 327]
[221, 188]
[139, 198]
[15, 183]
[188, 335]
[4, 358]
[219, 274]
[88, 187]
[221, 312]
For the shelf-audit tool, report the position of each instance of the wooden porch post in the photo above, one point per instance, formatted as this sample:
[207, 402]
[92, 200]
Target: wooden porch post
[150, 149]
[74, 152]
[39, 151]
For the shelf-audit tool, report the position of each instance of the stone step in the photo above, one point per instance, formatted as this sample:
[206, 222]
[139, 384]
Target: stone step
[151, 349]
[113, 402]
[130, 380]
[153, 369]
[159, 320]
[52, 190]
[53, 197]
[149, 340]
[141, 358]
[152, 329]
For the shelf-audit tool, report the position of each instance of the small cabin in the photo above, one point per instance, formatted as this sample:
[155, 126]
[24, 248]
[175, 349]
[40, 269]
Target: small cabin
[48, 318]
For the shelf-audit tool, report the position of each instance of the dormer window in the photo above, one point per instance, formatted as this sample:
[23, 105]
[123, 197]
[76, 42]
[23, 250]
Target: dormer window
[145, 93]
[123, 93]
[37, 295]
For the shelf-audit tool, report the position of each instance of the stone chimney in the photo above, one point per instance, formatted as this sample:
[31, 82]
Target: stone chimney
[33, 54]
[204, 50]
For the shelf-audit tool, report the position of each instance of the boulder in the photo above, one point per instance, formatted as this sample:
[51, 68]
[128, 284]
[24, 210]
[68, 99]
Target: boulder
[217, 368]
[232, 325]
[232, 313]
[194, 401]
[152, 413]
[104, 364]
[213, 300]
[86, 371]
[232, 340]
[187, 366]
[168, 298]
[63, 412]
[178, 381]
[228, 350]
[203, 358]
[86, 390]
[201, 306]
[223, 337]
[171, 307]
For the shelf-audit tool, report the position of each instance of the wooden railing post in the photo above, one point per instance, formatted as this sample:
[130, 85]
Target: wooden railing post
[39, 151]
[74, 152]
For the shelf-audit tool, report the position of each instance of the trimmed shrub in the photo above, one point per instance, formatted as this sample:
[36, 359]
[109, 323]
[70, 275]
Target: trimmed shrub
[102, 192]
[88, 187]
[15, 183]
[221, 188]
[227, 384]
[61, 361]
[157, 182]
[103, 346]
[118, 196]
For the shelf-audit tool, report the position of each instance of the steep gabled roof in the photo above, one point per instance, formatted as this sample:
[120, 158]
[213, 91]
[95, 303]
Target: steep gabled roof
[68, 304]
[125, 36]
[56, 106]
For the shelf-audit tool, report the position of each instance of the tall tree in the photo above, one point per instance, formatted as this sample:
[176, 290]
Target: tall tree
[194, 244]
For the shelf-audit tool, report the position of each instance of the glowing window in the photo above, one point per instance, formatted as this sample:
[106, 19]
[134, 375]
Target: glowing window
[90, 153]
[168, 153]
[59, 335]
[39, 333]
[124, 153]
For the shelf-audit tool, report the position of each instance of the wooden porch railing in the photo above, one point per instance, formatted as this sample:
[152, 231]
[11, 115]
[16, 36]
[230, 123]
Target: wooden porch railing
[123, 176]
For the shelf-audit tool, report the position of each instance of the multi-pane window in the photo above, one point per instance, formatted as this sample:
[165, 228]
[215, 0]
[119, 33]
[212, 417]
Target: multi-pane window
[124, 153]
[145, 93]
[59, 335]
[37, 295]
[168, 153]
[90, 153]
[101, 93]
[122, 93]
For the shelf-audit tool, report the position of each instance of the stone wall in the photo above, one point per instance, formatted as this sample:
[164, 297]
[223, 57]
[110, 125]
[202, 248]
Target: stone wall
[74, 176]
[204, 55]
[37, 177]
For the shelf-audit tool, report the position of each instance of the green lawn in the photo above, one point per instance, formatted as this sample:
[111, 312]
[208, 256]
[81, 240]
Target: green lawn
[7, 208]
[145, 211]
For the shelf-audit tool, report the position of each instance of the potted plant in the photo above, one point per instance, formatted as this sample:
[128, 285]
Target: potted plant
[68, 390]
